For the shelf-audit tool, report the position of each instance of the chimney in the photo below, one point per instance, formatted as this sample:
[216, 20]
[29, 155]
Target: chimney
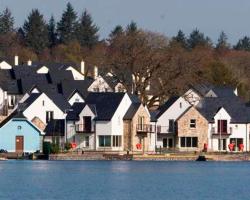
[95, 72]
[16, 60]
[83, 67]
[29, 63]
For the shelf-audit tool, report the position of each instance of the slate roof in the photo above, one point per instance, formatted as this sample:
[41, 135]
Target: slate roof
[202, 89]
[220, 91]
[223, 91]
[156, 114]
[76, 110]
[106, 103]
[131, 111]
[14, 114]
[59, 100]
[235, 107]
[68, 87]
[32, 97]
[55, 128]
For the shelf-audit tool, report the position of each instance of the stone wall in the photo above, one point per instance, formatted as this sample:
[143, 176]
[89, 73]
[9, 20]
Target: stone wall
[201, 130]
[135, 137]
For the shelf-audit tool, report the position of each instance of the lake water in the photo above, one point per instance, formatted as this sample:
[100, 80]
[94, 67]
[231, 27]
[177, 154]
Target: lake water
[106, 180]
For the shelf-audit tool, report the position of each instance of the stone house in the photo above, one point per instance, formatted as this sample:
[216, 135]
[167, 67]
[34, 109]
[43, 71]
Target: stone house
[192, 131]
[137, 129]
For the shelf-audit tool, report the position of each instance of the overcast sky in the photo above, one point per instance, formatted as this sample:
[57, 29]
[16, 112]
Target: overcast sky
[165, 16]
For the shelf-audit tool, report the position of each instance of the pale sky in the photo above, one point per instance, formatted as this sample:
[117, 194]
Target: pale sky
[164, 16]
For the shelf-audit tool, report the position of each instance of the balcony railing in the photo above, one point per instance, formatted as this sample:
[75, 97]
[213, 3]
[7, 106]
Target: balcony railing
[81, 128]
[215, 132]
[165, 129]
[145, 128]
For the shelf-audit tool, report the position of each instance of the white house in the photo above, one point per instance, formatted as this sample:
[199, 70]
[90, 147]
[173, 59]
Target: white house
[81, 126]
[110, 110]
[164, 118]
[228, 119]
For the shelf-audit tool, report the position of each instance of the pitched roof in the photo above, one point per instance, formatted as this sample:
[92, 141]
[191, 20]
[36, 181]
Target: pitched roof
[32, 97]
[14, 114]
[59, 100]
[55, 128]
[106, 103]
[76, 109]
[131, 111]
[69, 86]
[235, 107]
[220, 91]
[165, 107]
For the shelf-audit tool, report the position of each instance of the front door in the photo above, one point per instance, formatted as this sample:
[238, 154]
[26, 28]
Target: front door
[170, 142]
[19, 143]
[165, 142]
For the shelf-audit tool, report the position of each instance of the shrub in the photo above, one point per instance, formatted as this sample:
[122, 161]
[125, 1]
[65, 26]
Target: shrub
[67, 146]
[54, 148]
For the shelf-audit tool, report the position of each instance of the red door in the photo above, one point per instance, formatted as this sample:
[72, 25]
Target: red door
[19, 144]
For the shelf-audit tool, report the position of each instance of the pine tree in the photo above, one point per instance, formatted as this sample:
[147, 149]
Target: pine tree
[36, 31]
[132, 27]
[118, 30]
[197, 38]
[87, 31]
[222, 42]
[6, 22]
[243, 44]
[52, 32]
[181, 39]
[66, 27]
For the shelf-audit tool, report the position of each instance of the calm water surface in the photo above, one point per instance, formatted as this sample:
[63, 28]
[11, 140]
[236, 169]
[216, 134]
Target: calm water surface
[124, 180]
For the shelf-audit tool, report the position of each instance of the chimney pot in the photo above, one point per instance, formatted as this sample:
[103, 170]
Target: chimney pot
[16, 60]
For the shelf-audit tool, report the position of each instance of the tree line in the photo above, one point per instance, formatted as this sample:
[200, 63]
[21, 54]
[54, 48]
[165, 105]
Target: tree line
[138, 58]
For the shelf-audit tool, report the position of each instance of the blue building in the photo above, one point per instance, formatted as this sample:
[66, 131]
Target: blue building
[17, 134]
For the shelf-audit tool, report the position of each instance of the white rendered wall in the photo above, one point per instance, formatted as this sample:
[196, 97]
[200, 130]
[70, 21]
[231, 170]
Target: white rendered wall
[37, 109]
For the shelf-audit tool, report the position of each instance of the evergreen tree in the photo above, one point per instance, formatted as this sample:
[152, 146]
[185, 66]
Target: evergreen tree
[197, 38]
[222, 41]
[66, 27]
[132, 27]
[36, 31]
[181, 39]
[243, 44]
[52, 32]
[6, 22]
[87, 30]
[118, 30]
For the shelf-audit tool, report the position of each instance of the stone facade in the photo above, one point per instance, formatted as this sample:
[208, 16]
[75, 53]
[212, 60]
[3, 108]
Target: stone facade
[200, 130]
[131, 137]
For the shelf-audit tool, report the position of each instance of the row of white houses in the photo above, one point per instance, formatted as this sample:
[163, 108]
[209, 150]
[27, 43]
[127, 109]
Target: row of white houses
[61, 104]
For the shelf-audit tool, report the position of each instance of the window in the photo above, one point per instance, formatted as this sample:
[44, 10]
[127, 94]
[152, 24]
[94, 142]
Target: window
[192, 123]
[96, 89]
[104, 141]
[77, 100]
[222, 126]
[180, 105]
[49, 116]
[116, 141]
[171, 126]
[87, 123]
[189, 141]
[86, 141]
[43, 103]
